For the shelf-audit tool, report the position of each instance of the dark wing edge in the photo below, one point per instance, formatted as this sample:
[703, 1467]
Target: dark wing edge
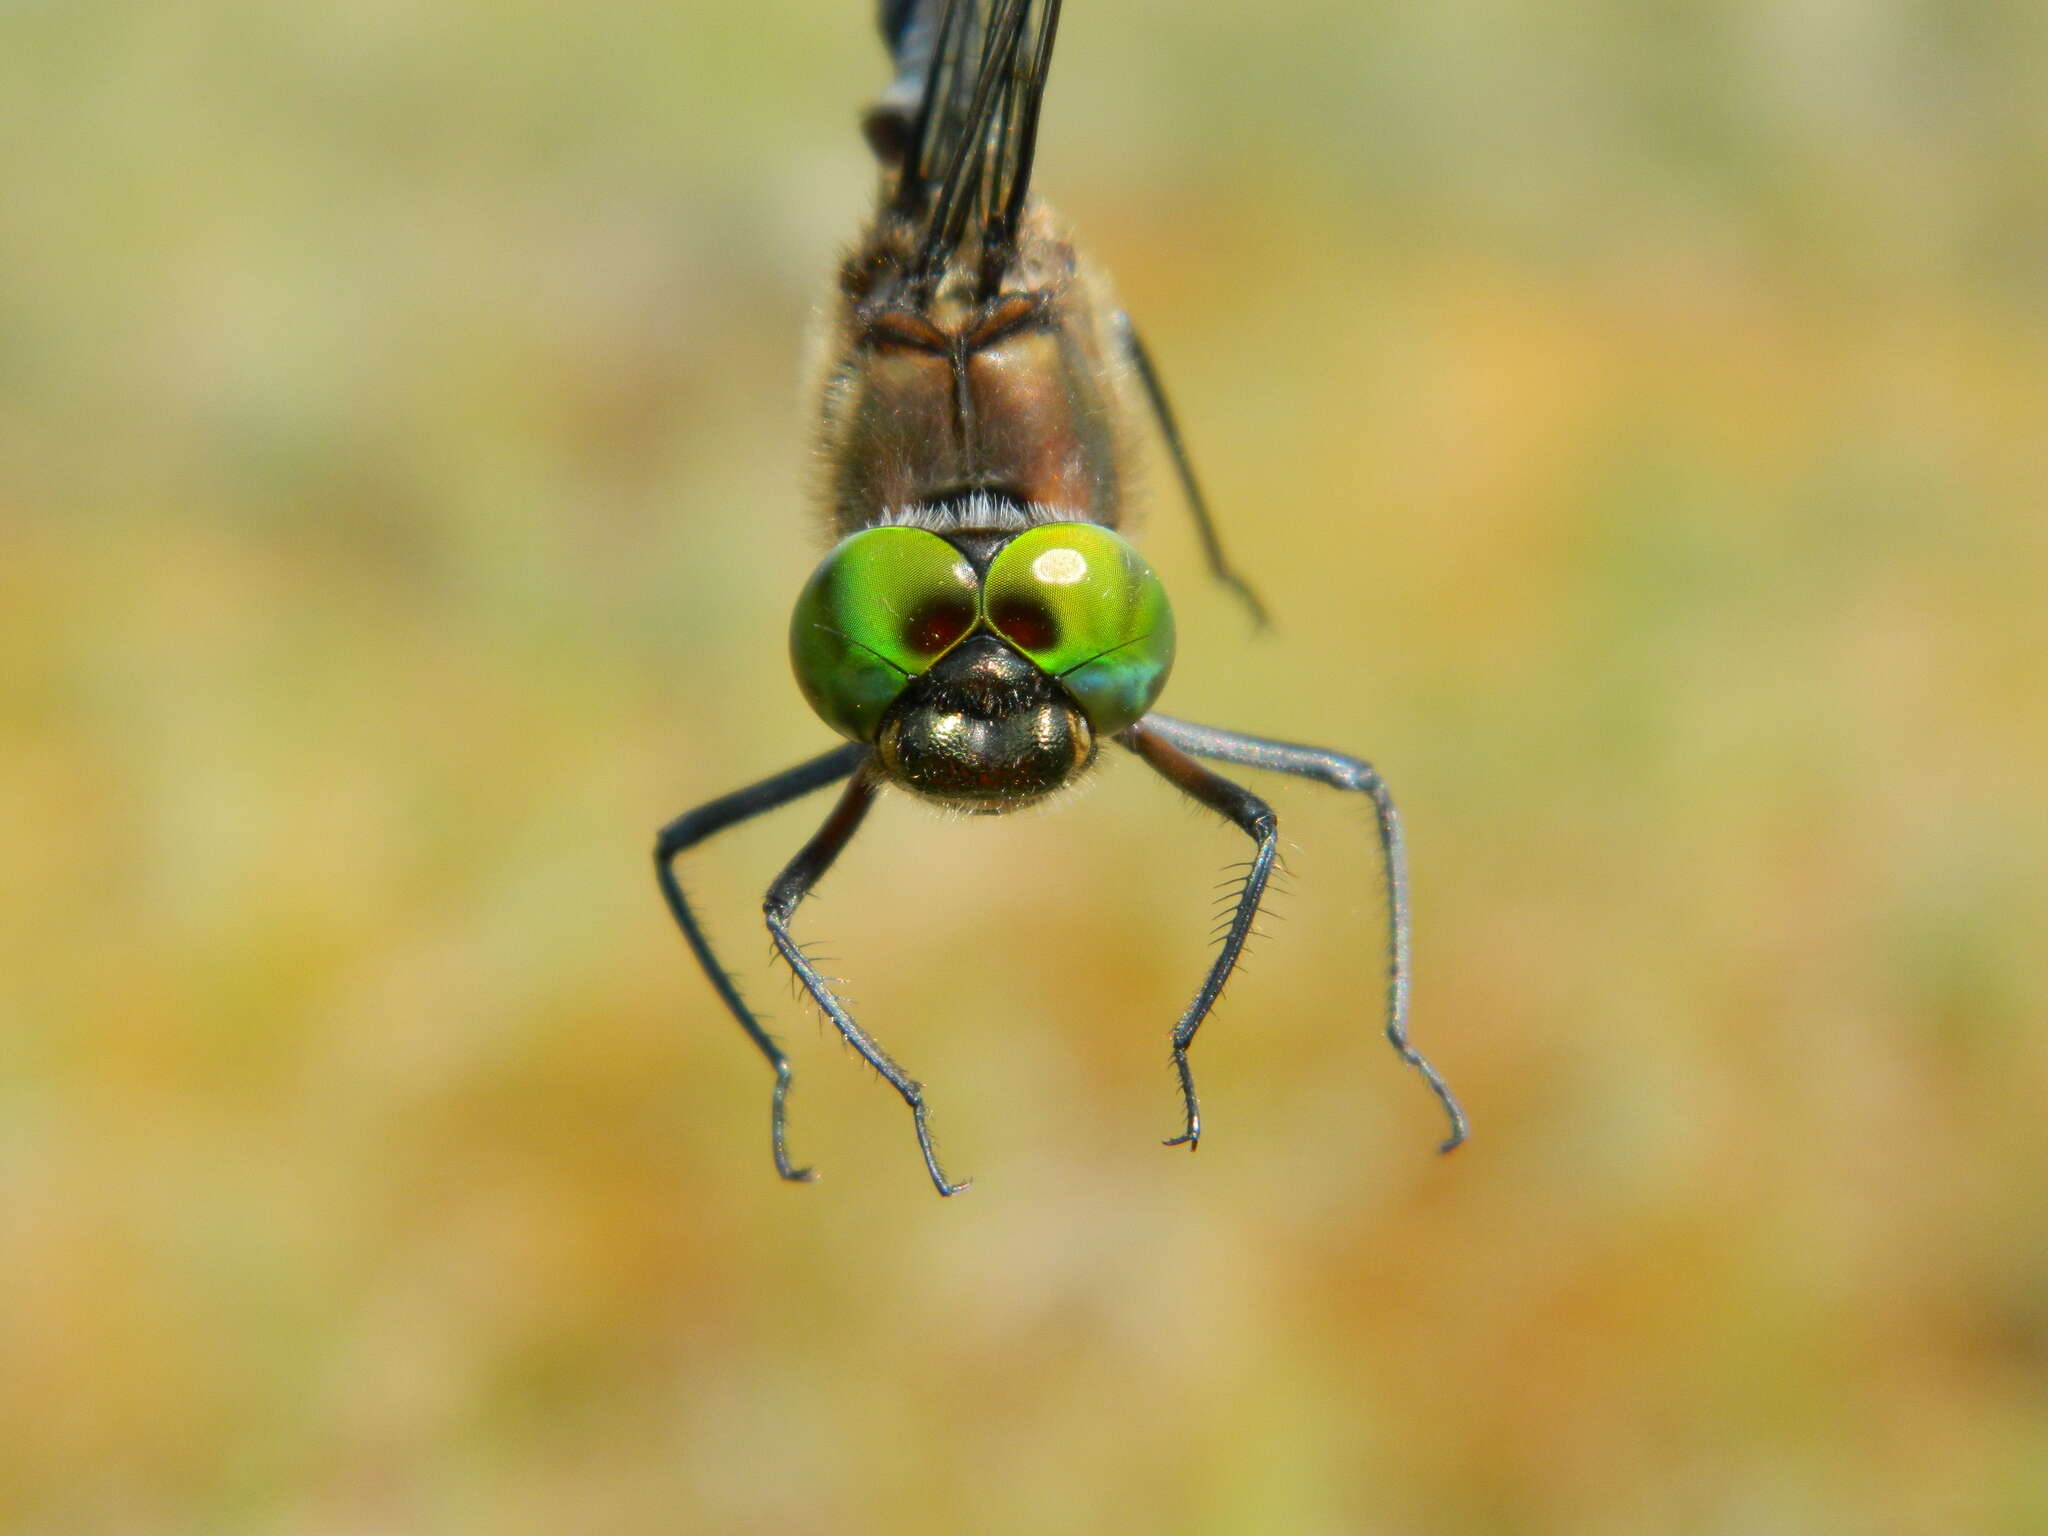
[958, 128]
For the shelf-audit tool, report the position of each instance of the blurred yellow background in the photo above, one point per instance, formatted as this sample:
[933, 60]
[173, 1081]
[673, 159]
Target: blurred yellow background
[1637, 417]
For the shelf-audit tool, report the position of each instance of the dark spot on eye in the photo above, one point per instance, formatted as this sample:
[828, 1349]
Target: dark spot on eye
[1025, 623]
[936, 624]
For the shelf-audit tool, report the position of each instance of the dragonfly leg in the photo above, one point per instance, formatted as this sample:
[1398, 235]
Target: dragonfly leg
[692, 828]
[1251, 815]
[1348, 773]
[790, 887]
[1184, 470]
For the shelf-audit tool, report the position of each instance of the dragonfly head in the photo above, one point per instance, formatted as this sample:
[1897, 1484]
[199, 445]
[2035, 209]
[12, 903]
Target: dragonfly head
[984, 730]
[984, 689]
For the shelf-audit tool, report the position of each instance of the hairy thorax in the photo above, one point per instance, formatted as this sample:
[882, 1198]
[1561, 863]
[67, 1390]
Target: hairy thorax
[1008, 383]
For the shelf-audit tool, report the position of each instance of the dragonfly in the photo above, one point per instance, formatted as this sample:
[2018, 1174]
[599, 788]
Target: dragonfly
[982, 626]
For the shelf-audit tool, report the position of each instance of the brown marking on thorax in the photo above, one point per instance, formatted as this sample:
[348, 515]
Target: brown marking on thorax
[931, 394]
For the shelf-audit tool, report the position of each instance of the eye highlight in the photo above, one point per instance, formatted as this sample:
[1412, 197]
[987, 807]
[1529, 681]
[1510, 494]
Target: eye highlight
[880, 609]
[1060, 566]
[1082, 604]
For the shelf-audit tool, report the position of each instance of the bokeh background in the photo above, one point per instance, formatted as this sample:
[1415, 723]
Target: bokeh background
[1638, 418]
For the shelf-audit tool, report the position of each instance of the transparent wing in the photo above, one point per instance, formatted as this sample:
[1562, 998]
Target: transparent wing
[959, 124]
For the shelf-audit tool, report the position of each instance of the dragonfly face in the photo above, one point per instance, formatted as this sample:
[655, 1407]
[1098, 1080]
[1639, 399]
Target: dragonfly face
[982, 626]
[983, 689]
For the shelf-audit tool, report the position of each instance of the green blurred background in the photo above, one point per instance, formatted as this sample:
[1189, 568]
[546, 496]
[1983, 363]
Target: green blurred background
[1637, 416]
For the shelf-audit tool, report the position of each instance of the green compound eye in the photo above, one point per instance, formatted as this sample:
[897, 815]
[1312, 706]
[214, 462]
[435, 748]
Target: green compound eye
[879, 610]
[1083, 605]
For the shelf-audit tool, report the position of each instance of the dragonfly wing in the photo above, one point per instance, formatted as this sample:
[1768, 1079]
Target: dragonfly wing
[958, 126]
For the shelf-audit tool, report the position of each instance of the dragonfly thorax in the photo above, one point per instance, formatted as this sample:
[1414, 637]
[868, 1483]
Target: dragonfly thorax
[931, 385]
